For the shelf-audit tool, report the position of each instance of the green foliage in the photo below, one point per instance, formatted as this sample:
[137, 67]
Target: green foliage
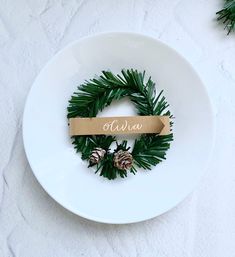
[227, 15]
[96, 94]
[149, 150]
[107, 169]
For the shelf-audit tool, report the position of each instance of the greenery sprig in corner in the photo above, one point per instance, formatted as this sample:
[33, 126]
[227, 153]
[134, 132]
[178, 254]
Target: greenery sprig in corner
[227, 15]
[96, 94]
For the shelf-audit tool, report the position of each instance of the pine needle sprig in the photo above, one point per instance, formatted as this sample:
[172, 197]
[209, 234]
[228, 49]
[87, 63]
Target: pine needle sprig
[150, 150]
[227, 15]
[96, 94]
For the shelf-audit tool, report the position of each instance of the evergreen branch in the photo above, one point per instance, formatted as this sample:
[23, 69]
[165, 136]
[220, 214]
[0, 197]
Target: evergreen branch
[150, 150]
[227, 15]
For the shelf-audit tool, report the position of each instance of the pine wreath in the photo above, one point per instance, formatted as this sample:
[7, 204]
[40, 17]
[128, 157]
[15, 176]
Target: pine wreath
[96, 94]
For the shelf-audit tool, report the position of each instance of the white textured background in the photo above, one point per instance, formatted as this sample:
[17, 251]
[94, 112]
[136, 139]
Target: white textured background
[31, 223]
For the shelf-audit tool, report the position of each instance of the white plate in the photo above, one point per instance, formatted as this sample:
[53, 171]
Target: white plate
[60, 170]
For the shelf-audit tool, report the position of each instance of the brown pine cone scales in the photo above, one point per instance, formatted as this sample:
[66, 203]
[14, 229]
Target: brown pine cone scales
[97, 155]
[123, 160]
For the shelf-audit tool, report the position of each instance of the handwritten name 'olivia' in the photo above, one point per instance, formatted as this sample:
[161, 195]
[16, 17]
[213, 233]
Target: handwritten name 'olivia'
[125, 126]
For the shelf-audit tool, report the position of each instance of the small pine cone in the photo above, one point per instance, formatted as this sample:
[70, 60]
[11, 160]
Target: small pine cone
[123, 160]
[97, 155]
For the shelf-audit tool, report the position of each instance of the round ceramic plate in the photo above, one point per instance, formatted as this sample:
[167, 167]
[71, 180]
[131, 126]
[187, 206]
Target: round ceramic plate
[66, 177]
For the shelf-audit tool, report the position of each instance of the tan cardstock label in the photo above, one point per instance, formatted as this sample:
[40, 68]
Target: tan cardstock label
[119, 125]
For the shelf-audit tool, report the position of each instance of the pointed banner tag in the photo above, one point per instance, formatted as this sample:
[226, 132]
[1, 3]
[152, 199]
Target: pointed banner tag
[119, 125]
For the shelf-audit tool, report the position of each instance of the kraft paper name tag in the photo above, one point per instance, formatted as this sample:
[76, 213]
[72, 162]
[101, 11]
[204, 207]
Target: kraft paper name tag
[119, 125]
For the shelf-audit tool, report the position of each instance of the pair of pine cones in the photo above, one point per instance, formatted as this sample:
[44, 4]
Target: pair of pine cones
[122, 159]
